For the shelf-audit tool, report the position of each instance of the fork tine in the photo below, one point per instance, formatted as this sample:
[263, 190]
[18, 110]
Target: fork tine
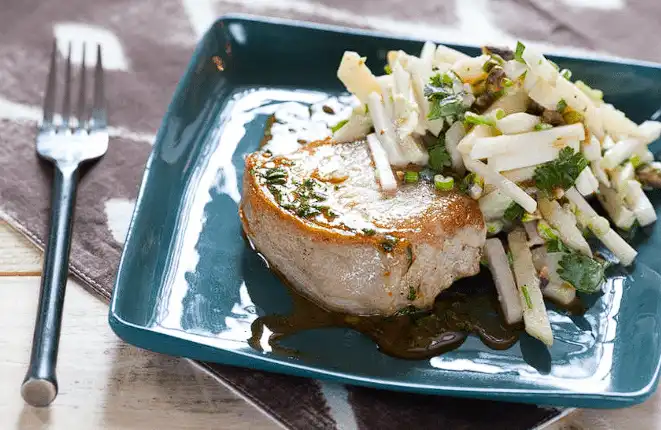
[80, 110]
[66, 104]
[99, 109]
[49, 100]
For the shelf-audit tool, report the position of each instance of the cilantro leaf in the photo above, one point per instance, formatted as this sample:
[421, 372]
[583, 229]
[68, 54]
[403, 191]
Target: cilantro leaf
[514, 212]
[561, 172]
[439, 158]
[449, 106]
[584, 273]
[443, 100]
[339, 125]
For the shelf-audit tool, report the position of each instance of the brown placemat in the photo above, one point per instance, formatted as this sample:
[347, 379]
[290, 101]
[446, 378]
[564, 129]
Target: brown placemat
[147, 44]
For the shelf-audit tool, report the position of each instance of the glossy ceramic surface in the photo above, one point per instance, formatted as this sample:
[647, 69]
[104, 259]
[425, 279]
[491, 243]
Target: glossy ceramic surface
[189, 285]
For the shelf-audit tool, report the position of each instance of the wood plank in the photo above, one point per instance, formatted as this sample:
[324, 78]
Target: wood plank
[105, 383]
[18, 257]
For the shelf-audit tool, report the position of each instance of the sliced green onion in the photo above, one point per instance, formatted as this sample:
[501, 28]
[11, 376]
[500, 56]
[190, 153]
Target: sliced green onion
[565, 73]
[443, 183]
[489, 64]
[526, 295]
[562, 105]
[339, 125]
[494, 227]
[473, 118]
[520, 47]
[636, 162]
[499, 113]
[507, 82]
[387, 69]
[555, 66]
[546, 231]
[542, 126]
[411, 177]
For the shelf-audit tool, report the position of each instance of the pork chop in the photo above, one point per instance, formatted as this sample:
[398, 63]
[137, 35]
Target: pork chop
[320, 219]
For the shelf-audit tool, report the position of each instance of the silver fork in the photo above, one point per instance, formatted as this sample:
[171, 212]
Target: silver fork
[67, 142]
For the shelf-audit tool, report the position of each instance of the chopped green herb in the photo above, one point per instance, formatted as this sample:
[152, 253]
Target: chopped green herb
[526, 296]
[542, 126]
[276, 176]
[442, 98]
[475, 119]
[369, 231]
[307, 211]
[389, 243]
[499, 113]
[448, 106]
[409, 310]
[507, 82]
[584, 273]
[443, 183]
[565, 73]
[518, 54]
[556, 245]
[562, 105]
[494, 227]
[636, 162]
[514, 212]
[439, 158]
[469, 181]
[411, 177]
[490, 64]
[412, 294]
[561, 172]
[339, 125]
[510, 259]
[387, 69]
[409, 255]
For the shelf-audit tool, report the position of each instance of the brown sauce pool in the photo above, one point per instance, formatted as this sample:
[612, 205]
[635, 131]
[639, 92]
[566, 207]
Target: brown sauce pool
[470, 306]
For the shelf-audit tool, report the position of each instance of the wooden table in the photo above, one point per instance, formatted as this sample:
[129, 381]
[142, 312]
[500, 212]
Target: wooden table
[107, 384]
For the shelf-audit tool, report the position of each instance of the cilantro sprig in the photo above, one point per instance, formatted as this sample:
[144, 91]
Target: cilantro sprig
[561, 172]
[514, 212]
[584, 273]
[443, 101]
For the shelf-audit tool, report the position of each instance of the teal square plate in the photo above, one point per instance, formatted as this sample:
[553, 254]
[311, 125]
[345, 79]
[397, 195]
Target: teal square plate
[189, 285]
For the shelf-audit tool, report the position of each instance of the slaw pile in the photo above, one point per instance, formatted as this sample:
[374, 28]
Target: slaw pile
[513, 131]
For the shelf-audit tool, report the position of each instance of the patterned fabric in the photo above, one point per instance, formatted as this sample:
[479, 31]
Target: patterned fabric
[147, 44]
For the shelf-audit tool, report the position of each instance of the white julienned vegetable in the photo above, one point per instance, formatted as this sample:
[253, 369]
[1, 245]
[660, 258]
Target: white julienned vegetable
[591, 149]
[613, 203]
[514, 101]
[539, 65]
[505, 185]
[616, 123]
[639, 203]
[649, 131]
[542, 92]
[453, 136]
[356, 76]
[621, 175]
[357, 126]
[601, 228]
[534, 238]
[470, 69]
[494, 204]
[586, 182]
[535, 317]
[516, 123]
[466, 144]
[508, 295]
[564, 223]
[527, 142]
[518, 160]
[381, 163]
[520, 175]
[405, 108]
[383, 130]
[557, 289]
[621, 151]
[445, 54]
[428, 54]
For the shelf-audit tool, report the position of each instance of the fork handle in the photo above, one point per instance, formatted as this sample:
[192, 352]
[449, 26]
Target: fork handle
[40, 385]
